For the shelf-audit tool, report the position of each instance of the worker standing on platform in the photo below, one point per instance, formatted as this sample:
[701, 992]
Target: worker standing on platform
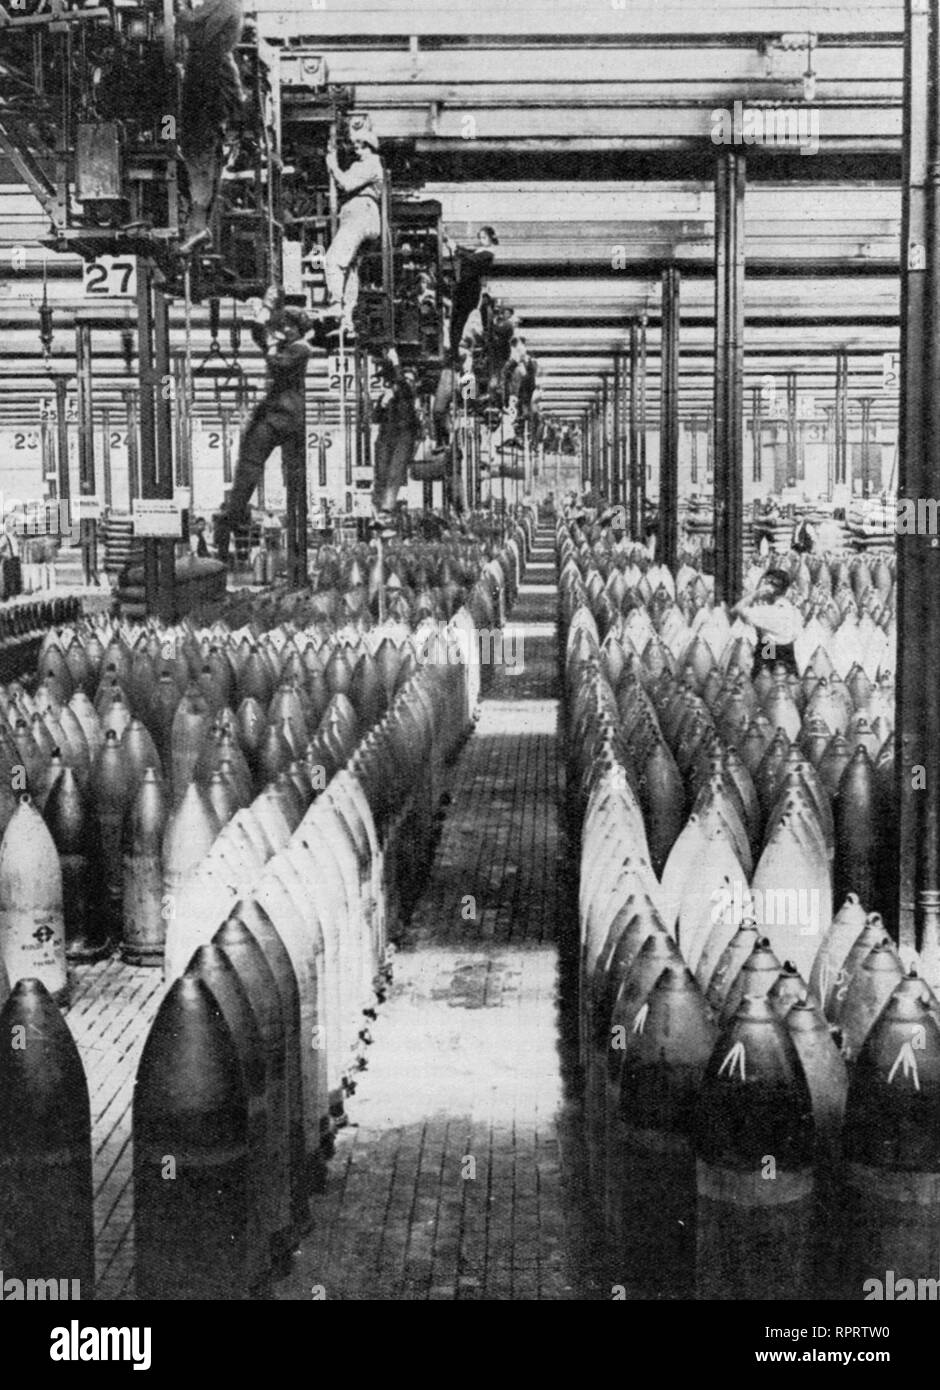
[472, 265]
[198, 547]
[360, 219]
[803, 539]
[777, 620]
[212, 97]
[396, 414]
[519, 377]
[279, 418]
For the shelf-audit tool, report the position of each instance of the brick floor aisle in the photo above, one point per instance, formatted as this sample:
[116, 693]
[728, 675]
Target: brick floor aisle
[460, 1174]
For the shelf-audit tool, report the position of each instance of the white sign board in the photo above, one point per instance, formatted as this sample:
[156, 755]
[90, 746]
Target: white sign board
[336, 372]
[86, 508]
[110, 277]
[362, 501]
[156, 516]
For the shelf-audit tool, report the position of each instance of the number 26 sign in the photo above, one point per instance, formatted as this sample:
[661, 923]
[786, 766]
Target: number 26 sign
[110, 277]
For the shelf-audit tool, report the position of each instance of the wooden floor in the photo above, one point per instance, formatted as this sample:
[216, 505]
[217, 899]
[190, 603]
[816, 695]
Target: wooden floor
[460, 1174]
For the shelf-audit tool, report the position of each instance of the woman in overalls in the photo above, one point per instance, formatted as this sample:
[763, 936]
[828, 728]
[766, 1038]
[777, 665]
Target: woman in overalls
[360, 220]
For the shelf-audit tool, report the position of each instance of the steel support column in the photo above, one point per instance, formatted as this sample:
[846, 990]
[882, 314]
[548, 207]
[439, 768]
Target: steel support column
[641, 429]
[62, 439]
[757, 433]
[601, 410]
[133, 457]
[917, 732]
[793, 458]
[322, 482]
[294, 461]
[148, 443]
[728, 398]
[624, 431]
[88, 527]
[635, 489]
[719, 386]
[616, 473]
[156, 462]
[605, 485]
[669, 421]
[866, 403]
[50, 480]
[184, 425]
[106, 457]
[842, 416]
[166, 549]
[588, 445]
[830, 412]
[226, 432]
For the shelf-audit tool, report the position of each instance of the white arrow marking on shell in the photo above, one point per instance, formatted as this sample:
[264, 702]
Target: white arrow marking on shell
[735, 1058]
[908, 1062]
[639, 1023]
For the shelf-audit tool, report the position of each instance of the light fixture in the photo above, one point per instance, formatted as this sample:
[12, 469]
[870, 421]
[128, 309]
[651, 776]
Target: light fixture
[45, 317]
[809, 76]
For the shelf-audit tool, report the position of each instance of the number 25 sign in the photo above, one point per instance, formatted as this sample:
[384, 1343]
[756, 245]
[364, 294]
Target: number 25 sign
[110, 277]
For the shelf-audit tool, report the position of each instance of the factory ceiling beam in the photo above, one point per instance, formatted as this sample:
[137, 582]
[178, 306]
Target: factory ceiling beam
[658, 67]
[554, 19]
[846, 129]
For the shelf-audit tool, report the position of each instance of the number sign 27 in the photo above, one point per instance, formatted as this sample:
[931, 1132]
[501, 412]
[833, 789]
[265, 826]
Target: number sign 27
[109, 277]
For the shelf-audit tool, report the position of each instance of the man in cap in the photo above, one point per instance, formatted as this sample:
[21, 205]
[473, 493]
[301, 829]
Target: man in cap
[360, 218]
[777, 620]
[278, 419]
